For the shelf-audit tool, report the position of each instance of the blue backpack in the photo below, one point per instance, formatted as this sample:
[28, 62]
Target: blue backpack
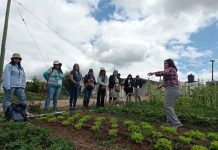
[16, 112]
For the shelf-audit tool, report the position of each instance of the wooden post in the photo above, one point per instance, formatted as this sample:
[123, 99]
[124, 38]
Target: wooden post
[2, 58]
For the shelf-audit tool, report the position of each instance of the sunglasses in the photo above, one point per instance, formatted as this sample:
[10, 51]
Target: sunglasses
[17, 58]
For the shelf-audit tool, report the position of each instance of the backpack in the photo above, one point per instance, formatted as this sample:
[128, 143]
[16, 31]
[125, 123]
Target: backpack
[16, 112]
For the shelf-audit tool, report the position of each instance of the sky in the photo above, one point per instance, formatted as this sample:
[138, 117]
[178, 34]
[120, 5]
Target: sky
[131, 37]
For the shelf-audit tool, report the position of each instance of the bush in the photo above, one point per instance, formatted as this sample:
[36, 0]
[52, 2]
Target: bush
[195, 135]
[185, 140]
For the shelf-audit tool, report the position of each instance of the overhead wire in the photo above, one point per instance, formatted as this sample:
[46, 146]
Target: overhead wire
[31, 36]
[42, 22]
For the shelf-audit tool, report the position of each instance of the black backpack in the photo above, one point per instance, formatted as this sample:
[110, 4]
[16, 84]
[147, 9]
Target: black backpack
[16, 112]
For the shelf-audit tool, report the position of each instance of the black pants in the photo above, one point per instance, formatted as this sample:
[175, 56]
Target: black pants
[100, 97]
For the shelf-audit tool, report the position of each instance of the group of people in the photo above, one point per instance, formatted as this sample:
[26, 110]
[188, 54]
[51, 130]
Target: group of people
[14, 83]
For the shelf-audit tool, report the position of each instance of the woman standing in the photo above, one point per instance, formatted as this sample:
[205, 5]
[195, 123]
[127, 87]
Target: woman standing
[102, 82]
[128, 87]
[54, 77]
[14, 81]
[89, 84]
[171, 84]
[137, 88]
[114, 87]
[74, 85]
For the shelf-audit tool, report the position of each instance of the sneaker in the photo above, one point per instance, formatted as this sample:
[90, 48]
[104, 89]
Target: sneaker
[178, 125]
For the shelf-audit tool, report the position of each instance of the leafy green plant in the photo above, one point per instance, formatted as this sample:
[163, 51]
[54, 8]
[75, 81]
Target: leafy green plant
[113, 132]
[185, 140]
[53, 119]
[155, 134]
[60, 117]
[214, 145]
[97, 123]
[113, 120]
[66, 122]
[78, 126]
[146, 126]
[70, 118]
[42, 118]
[199, 147]
[137, 137]
[133, 128]
[163, 144]
[66, 114]
[195, 134]
[168, 129]
[95, 128]
[212, 136]
[100, 119]
[113, 126]
[128, 123]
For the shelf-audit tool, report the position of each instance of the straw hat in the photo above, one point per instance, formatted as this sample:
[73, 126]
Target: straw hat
[56, 62]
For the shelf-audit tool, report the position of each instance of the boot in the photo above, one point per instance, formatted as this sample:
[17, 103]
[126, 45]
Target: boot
[87, 105]
[84, 104]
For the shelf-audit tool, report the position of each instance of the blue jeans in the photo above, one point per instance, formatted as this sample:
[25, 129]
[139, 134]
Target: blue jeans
[73, 96]
[52, 93]
[87, 94]
[8, 94]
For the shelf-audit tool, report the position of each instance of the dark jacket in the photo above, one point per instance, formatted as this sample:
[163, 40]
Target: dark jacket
[137, 82]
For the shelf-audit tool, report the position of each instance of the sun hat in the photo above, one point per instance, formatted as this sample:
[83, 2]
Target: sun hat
[56, 62]
[16, 55]
[102, 69]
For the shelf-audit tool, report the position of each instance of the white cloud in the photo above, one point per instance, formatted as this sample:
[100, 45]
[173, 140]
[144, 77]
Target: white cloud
[134, 40]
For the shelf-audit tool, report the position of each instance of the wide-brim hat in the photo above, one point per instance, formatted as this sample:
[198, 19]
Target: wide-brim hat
[56, 62]
[16, 55]
[102, 69]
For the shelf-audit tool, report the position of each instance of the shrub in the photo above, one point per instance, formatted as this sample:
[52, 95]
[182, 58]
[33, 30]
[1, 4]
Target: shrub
[146, 126]
[212, 136]
[113, 132]
[137, 137]
[163, 144]
[214, 145]
[195, 135]
[199, 147]
[185, 140]
[97, 123]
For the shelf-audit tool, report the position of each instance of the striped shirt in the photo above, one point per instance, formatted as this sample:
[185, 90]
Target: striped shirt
[170, 77]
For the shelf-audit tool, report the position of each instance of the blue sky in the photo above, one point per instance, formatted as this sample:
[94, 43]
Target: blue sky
[135, 38]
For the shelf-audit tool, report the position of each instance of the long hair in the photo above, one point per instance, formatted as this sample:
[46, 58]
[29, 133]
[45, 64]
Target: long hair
[74, 68]
[19, 64]
[171, 63]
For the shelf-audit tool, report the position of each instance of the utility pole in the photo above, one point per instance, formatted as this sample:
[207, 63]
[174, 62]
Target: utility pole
[2, 58]
[212, 61]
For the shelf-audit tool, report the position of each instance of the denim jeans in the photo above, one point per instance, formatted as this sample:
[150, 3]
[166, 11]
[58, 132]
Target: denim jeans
[100, 97]
[171, 94]
[73, 96]
[87, 94]
[8, 94]
[52, 93]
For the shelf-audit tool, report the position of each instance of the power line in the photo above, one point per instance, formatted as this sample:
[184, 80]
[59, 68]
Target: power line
[34, 41]
[37, 18]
